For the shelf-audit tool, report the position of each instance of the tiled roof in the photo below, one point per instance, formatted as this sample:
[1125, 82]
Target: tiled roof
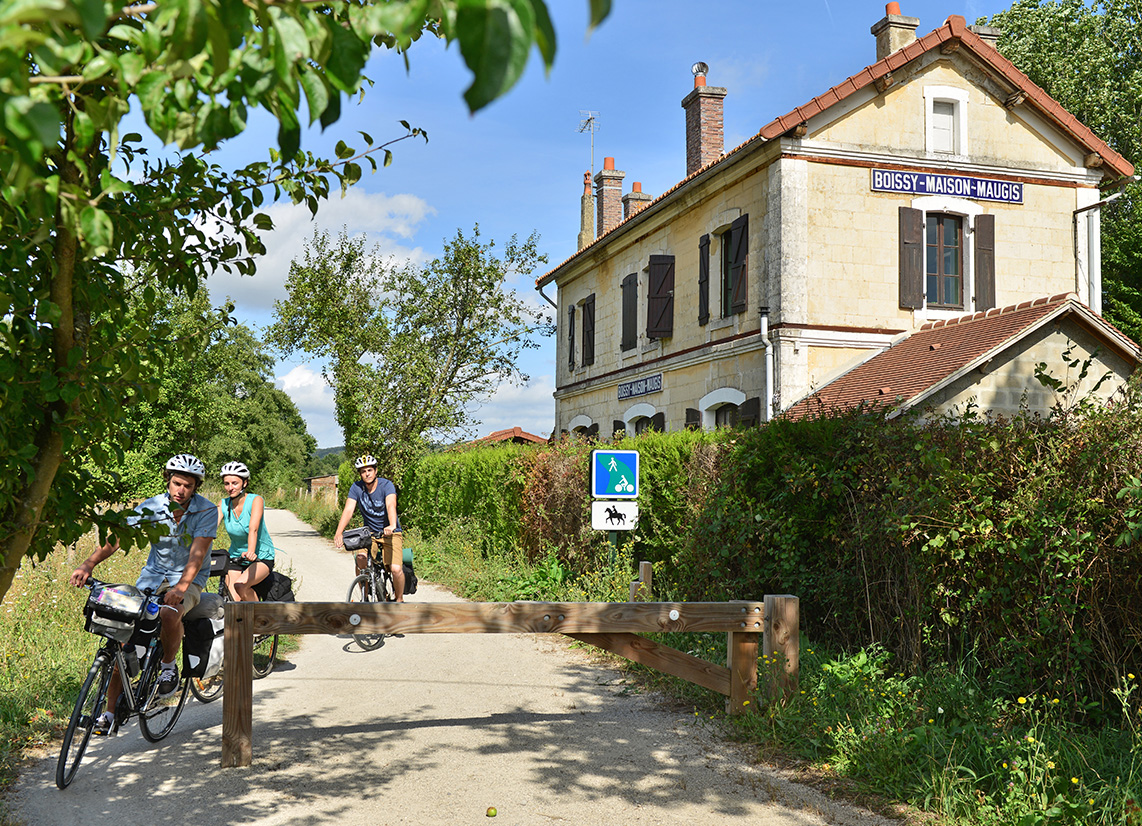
[941, 349]
[511, 434]
[954, 29]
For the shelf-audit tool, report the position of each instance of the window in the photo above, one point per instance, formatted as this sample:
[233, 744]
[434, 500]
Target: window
[630, 312]
[944, 273]
[735, 261]
[726, 415]
[660, 297]
[571, 337]
[641, 425]
[588, 308]
[945, 120]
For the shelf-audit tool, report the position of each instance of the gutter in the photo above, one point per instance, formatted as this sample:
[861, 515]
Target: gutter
[1094, 245]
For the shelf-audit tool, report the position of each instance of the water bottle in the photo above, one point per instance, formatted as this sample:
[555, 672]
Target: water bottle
[150, 620]
[132, 658]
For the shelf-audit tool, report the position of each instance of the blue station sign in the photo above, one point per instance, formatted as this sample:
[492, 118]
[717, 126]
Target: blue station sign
[640, 387]
[614, 474]
[958, 186]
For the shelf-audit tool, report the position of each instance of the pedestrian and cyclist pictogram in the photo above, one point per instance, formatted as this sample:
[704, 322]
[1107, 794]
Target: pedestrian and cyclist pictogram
[614, 474]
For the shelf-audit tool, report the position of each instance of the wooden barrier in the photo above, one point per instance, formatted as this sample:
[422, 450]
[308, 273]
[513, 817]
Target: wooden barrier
[613, 626]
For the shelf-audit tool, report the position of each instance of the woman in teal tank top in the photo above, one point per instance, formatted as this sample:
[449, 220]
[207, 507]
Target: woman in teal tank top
[251, 549]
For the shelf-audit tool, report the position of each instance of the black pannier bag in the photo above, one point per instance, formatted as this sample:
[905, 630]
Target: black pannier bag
[202, 646]
[277, 587]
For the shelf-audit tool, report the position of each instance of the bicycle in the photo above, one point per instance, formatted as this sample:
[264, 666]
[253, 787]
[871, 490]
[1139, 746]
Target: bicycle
[374, 584]
[128, 620]
[209, 689]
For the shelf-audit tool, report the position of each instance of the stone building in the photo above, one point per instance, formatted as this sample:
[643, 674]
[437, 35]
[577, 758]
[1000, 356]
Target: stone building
[935, 187]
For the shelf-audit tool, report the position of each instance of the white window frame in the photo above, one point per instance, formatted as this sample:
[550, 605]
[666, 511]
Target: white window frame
[636, 412]
[968, 210]
[579, 422]
[710, 403]
[959, 100]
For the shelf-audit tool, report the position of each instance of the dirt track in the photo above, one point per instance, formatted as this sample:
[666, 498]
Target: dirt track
[426, 729]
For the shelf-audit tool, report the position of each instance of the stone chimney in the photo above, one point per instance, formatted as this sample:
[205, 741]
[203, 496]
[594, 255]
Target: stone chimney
[988, 34]
[894, 32]
[704, 131]
[635, 200]
[586, 213]
[609, 196]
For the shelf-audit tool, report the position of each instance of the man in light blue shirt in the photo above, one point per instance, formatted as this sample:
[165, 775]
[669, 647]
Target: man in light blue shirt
[174, 566]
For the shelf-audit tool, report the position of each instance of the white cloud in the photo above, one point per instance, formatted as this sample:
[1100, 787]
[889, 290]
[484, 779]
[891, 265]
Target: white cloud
[314, 399]
[384, 220]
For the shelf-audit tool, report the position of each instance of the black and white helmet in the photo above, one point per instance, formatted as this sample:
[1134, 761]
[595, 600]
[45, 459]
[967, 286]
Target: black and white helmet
[185, 463]
[364, 461]
[235, 469]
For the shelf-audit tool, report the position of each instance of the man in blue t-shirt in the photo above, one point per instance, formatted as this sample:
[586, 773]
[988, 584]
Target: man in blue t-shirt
[377, 498]
[174, 566]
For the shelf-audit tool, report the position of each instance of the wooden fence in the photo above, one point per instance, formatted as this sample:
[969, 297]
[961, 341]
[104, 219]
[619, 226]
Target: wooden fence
[613, 626]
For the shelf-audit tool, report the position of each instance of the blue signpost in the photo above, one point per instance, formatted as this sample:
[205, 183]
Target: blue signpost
[614, 474]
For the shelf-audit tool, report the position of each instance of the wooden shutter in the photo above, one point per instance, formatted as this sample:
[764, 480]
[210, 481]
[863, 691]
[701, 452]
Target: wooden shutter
[984, 234]
[660, 297]
[571, 337]
[749, 414]
[630, 311]
[592, 432]
[658, 422]
[704, 279]
[911, 258]
[617, 426]
[589, 330]
[693, 418]
[739, 264]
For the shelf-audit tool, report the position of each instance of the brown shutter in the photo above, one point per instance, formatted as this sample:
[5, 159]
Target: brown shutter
[739, 264]
[593, 432]
[693, 418]
[704, 279]
[984, 262]
[749, 414]
[630, 311]
[617, 426]
[658, 422]
[660, 297]
[589, 330]
[571, 337]
[911, 258]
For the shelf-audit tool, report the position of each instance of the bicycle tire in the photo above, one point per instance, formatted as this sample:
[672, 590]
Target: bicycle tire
[157, 715]
[206, 689]
[88, 706]
[265, 649]
[361, 591]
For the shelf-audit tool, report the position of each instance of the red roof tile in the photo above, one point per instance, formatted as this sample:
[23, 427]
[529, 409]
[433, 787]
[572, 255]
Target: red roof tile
[941, 349]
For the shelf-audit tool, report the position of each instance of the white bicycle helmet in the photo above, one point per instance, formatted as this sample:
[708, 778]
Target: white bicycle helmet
[235, 469]
[366, 460]
[185, 463]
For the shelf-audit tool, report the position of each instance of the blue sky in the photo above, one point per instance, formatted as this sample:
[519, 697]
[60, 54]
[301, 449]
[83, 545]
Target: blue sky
[518, 165]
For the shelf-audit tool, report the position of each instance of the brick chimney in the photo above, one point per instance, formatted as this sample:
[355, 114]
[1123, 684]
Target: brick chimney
[704, 131]
[609, 196]
[635, 200]
[894, 32]
[586, 213]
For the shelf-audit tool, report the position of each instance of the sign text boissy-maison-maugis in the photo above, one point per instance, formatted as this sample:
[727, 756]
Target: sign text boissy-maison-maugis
[958, 186]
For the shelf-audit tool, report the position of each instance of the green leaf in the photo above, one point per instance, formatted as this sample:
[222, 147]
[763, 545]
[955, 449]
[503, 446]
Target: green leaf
[344, 151]
[495, 37]
[544, 34]
[316, 93]
[96, 229]
[346, 59]
[332, 111]
[599, 11]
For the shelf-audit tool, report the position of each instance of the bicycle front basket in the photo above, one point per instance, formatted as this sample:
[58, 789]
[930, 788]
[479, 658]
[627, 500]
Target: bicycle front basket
[112, 611]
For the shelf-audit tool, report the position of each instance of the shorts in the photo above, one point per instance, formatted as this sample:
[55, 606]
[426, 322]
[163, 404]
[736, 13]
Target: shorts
[391, 548]
[190, 599]
[240, 564]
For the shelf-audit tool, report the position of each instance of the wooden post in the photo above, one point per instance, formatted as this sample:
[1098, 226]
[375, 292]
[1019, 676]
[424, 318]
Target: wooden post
[640, 589]
[781, 645]
[238, 685]
[741, 657]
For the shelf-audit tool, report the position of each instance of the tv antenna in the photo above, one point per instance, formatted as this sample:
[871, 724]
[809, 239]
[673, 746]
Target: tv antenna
[590, 123]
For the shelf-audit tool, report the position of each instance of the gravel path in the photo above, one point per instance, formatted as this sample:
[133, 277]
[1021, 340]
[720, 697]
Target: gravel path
[432, 729]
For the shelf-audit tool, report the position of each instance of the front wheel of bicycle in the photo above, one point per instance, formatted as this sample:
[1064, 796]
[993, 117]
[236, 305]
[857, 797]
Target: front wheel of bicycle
[88, 707]
[206, 689]
[157, 715]
[265, 649]
[362, 591]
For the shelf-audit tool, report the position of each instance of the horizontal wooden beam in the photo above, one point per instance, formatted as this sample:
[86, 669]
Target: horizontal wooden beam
[505, 617]
[663, 658]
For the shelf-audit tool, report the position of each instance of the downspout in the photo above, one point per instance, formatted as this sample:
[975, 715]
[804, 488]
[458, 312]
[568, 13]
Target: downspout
[764, 311]
[1094, 247]
[539, 289]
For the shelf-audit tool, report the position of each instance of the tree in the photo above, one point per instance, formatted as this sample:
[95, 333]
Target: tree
[88, 218]
[1089, 59]
[410, 350]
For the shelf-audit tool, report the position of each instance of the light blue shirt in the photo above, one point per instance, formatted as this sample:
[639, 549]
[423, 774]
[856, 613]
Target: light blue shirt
[170, 554]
